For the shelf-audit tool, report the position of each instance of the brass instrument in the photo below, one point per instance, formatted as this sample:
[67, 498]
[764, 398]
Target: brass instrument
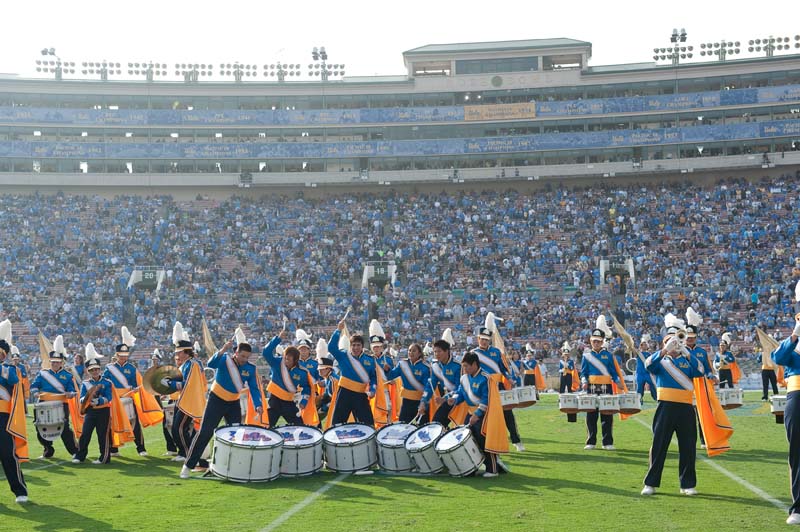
[151, 380]
[630, 365]
[681, 336]
[209, 373]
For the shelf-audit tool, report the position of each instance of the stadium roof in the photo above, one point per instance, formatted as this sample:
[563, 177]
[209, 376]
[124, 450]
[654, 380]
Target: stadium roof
[496, 46]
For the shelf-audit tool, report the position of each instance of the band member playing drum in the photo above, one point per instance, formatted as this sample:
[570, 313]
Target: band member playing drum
[357, 381]
[326, 385]
[97, 416]
[9, 395]
[123, 375]
[674, 368]
[597, 372]
[414, 373]
[306, 361]
[288, 378]
[56, 384]
[234, 372]
[723, 361]
[566, 368]
[443, 380]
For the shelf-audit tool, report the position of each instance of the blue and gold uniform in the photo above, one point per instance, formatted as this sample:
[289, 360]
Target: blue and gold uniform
[311, 366]
[357, 379]
[786, 354]
[722, 362]
[97, 419]
[598, 372]
[674, 415]
[284, 384]
[444, 380]
[124, 379]
[565, 369]
[474, 391]
[52, 386]
[183, 425]
[8, 456]
[491, 362]
[414, 375]
[643, 376]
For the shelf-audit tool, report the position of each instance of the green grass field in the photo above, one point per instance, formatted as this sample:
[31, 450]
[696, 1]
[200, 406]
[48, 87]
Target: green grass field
[554, 485]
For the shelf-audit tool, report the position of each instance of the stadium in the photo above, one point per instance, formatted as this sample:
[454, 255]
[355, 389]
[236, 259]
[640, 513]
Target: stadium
[505, 177]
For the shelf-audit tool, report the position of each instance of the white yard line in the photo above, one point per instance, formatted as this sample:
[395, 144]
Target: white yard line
[305, 502]
[739, 480]
[25, 469]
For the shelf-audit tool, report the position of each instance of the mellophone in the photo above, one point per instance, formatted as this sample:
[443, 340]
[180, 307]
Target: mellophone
[249, 453]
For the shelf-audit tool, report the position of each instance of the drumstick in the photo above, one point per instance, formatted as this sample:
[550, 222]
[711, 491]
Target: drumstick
[347, 313]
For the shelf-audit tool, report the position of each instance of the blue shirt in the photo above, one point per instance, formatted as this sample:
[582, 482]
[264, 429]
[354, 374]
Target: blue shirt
[66, 379]
[127, 379]
[478, 394]
[450, 370]
[702, 356]
[419, 369]
[590, 370]
[176, 385]
[247, 372]
[346, 365]
[786, 356]
[8, 377]
[492, 361]
[642, 375]
[311, 366]
[566, 366]
[723, 359]
[103, 394]
[690, 367]
[298, 375]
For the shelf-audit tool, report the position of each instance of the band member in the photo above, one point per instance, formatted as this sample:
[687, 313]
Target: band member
[357, 382]
[443, 380]
[79, 365]
[22, 371]
[566, 369]
[597, 373]
[56, 384]
[529, 367]
[328, 380]
[787, 356]
[491, 361]
[98, 413]
[674, 368]
[287, 378]
[723, 362]
[192, 388]
[768, 375]
[124, 376]
[473, 388]
[13, 438]
[414, 373]
[306, 361]
[172, 449]
[384, 403]
[234, 372]
[644, 379]
[694, 320]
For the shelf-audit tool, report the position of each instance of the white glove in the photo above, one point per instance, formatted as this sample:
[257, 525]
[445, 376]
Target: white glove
[165, 381]
[796, 331]
[673, 345]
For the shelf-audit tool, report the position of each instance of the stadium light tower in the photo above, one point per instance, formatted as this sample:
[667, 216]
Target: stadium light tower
[192, 72]
[721, 49]
[102, 68]
[149, 69]
[677, 51]
[770, 44]
[281, 70]
[238, 70]
[57, 67]
[321, 68]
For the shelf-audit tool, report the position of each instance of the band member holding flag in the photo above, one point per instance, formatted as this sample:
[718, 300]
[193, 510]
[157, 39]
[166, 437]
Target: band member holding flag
[414, 373]
[234, 373]
[13, 434]
[96, 398]
[357, 381]
[598, 371]
[444, 377]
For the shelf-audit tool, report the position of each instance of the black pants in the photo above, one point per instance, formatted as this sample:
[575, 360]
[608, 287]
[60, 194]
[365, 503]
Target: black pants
[278, 408]
[768, 377]
[489, 459]
[606, 420]
[67, 436]
[791, 420]
[529, 380]
[511, 422]
[350, 402]
[565, 383]
[9, 459]
[98, 420]
[673, 418]
[442, 413]
[216, 409]
[138, 437]
[408, 410]
[182, 432]
[725, 378]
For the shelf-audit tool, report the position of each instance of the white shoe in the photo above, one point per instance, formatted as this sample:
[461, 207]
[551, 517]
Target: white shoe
[702, 445]
[97, 462]
[589, 448]
[689, 491]
[489, 475]
[114, 454]
[179, 458]
[185, 471]
[609, 448]
[793, 519]
[648, 490]
[519, 446]
[143, 453]
[24, 498]
[76, 461]
[170, 453]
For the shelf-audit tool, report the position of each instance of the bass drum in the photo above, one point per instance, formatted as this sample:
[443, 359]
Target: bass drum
[350, 447]
[246, 453]
[392, 453]
[302, 450]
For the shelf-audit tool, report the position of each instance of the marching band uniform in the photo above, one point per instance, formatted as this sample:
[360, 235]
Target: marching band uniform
[597, 373]
[97, 417]
[172, 449]
[124, 378]
[443, 381]
[10, 454]
[284, 384]
[357, 379]
[326, 386]
[56, 386]
[414, 375]
[566, 368]
[787, 356]
[230, 380]
[22, 371]
[674, 414]
[768, 376]
[529, 370]
[306, 361]
[183, 424]
[702, 357]
[722, 362]
[642, 375]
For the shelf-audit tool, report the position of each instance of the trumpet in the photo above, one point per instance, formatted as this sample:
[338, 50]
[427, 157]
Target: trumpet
[681, 336]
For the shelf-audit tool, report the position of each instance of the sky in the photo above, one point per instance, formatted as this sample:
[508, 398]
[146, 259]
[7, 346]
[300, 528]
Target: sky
[368, 37]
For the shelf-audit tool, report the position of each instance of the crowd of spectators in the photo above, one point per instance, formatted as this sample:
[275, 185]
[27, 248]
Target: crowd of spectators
[532, 257]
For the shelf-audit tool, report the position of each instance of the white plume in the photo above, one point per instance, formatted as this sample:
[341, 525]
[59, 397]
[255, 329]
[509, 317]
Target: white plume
[178, 333]
[322, 348]
[300, 334]
[393, 352]
[566, 346]
[196, 345]
[344, 342]
[645, 338]
[58, 345]
[5, 331]
[693, 318]
[671, 320]
[427, 350]
[447, 336]
[603, 326]
[375, 329]
[91, 352]
[127, 338]
[727, 338]
[280, 349]
[156, 353]
[241, 338]
[797, 291]
[491, 322]
[14, 350]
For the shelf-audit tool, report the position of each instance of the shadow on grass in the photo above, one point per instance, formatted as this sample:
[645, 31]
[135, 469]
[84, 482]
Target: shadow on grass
[52, 518]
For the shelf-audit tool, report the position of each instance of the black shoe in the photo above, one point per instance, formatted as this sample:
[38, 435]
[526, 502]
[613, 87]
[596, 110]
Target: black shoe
[48, 453]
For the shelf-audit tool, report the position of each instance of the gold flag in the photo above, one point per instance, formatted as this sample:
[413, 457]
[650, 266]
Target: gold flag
[768, 343]
[208, 342]
[626, 337]
[45, 346]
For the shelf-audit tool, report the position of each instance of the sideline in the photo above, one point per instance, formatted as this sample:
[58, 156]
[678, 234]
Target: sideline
[305, 502]
[739, 480]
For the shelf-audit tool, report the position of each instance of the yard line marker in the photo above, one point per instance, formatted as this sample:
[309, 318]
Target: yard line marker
[25, 469]
[305, 502]
[739, 480]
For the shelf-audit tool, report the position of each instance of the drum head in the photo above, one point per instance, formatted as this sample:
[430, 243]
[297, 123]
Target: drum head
[424, 436]
[453, 438]
[299, 435]
[395, 435]
[248, 436]
[348, 434]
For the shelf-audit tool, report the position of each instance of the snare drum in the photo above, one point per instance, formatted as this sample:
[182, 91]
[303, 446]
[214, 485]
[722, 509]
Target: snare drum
[630, 403]
[169, 415]
[392, 453]
[421, 446]
[509, 399]
[246, 453]
[778, 404]
[526, 396]
[459, 452]
[608, 404]
[568, 403]
[722, 395]
[587, 402]
[130, 408]
[735, 398]
[49, 419]
[302, 450]
[350, 447]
